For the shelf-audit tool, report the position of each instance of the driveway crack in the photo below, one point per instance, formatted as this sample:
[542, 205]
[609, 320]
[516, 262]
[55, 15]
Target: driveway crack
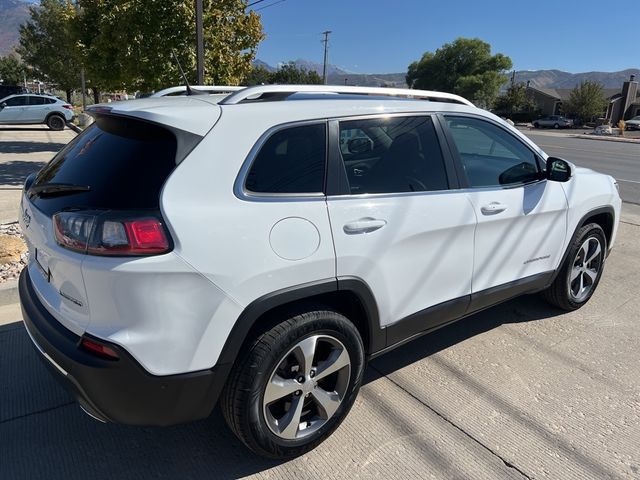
[507, 463]
[37, 412]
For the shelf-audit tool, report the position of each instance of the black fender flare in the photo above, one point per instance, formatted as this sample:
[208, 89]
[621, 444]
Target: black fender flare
[255, 310]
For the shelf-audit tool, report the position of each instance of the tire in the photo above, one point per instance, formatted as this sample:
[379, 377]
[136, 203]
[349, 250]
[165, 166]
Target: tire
[55, 122]
[569, 294]
[556, 126]
[255, 419]
[536, 125]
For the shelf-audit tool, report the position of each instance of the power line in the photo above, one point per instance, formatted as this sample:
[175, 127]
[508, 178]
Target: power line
[267, 6]
[254, 3]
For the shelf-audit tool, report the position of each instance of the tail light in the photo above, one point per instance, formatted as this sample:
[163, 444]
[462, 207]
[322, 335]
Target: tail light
[111, 234]
[67, 106]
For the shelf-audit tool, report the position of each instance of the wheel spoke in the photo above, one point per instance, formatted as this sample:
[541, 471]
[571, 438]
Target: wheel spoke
[337, 360]
[328, 402]
[278, 388]
[291, 420]
[594, 254]
[584, 250]
[592, 274]
[581, 284]
[575, 271]
[306, 351]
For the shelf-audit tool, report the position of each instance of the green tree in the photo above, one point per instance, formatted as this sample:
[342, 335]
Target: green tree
[465, 67]
[290, 74]
[48, 44]
[586, 101]
[12, 70]
[515, 100]
[258, 75]
[128, 45]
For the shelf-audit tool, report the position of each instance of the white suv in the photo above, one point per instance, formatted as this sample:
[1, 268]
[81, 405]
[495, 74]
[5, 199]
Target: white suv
[30, 109]
[261, 250]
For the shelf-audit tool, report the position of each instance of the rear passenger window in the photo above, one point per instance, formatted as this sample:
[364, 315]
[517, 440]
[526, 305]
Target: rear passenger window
[392, 154]
[33, 100]
[292, 160]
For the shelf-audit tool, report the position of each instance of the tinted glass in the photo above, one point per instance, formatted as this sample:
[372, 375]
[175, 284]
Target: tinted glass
[391, 155]
[125, 163]
[34, 100]
[16, 101]
[291, 161]
[491, 156]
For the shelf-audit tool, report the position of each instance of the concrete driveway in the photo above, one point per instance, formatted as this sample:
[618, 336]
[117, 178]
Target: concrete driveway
[519, 391]
[23, 150]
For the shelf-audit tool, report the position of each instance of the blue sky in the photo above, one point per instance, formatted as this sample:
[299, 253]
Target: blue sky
[377, 36]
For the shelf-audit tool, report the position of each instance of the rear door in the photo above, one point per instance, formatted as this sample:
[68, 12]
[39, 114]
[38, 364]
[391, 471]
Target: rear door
[521, 216]
[36, 110]
[396, 223]
[125, 163]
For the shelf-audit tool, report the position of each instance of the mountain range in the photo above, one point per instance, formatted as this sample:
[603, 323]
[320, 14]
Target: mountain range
[13, 14]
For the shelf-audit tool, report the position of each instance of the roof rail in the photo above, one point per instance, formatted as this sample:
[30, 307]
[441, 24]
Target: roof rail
[281, 92]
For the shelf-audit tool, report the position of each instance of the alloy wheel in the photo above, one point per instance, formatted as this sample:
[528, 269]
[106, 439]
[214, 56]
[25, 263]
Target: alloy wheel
[585, 269]
[307, 386]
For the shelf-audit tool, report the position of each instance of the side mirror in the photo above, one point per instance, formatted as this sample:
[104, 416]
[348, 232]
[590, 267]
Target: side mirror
[2, 105]
[558, 170]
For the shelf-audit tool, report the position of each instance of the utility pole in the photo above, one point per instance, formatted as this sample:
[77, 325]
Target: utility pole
[326, 47]
[83, 84]
[199, 43]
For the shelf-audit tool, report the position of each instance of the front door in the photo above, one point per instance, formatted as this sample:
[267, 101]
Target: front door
[397, 226]
[521, 216]
[13, 109]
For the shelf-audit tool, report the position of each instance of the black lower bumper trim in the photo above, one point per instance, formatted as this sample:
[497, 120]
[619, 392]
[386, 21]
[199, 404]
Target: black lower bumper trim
[120, 391]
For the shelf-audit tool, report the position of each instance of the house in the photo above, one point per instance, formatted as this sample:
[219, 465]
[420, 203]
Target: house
[623, 104]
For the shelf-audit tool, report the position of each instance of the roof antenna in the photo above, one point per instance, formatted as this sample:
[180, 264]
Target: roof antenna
[190, 91]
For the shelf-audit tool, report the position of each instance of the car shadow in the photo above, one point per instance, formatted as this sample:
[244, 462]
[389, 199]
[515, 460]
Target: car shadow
[24, 129]
[14, 173]
[44, 434]
[523, 309]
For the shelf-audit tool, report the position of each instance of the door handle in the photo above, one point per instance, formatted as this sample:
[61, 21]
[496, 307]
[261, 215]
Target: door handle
[493, 208]
[363, 225]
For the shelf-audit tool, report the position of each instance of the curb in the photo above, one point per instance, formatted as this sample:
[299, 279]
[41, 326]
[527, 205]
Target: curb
[74, 127]
[606, 138]
[9, 293]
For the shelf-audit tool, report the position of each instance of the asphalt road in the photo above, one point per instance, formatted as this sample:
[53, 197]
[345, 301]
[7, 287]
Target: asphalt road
[620, 160]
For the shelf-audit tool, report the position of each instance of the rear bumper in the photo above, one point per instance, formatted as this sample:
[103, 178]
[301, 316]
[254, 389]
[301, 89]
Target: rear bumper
[119, 391]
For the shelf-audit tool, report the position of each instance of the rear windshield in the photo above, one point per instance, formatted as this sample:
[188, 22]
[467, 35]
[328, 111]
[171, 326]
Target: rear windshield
[124, 162]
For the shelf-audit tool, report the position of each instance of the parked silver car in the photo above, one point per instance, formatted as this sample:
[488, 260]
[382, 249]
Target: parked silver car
[553, 121]
[633, 123]
[28, 109]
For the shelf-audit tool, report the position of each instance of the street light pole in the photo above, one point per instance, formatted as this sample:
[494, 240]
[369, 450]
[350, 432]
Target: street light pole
[199, 43]
[324, 65]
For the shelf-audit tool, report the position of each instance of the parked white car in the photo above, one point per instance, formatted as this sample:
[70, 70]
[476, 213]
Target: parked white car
[553, 121]
[29, 109]
[183, 252]
[633, 123]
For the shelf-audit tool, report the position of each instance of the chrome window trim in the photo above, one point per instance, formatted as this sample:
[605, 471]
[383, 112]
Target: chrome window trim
[239, 187]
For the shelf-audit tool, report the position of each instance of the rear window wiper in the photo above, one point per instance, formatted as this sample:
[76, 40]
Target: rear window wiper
[51, 189]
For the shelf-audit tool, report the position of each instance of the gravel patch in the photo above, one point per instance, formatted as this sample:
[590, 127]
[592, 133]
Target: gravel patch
[11, 269]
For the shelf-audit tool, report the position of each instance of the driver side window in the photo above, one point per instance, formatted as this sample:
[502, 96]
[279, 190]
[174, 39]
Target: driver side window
[490, 156]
